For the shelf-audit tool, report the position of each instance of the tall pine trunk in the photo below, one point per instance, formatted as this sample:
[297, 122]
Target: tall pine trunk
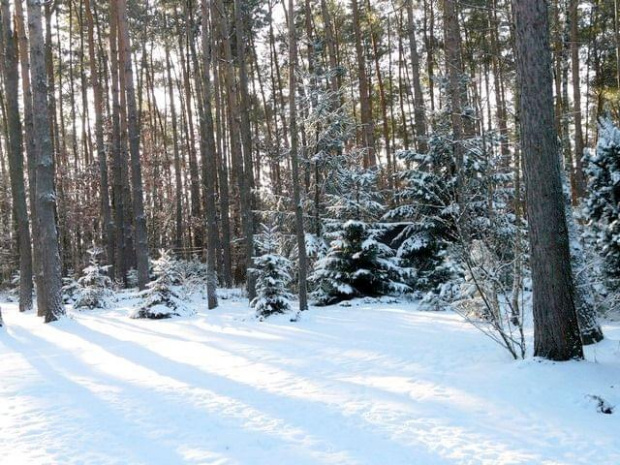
[556, 331]
[297, 203]
[108, 225]
[16, 156]
[419, 111]
[209, 159]
[49, 272]
[140, 232]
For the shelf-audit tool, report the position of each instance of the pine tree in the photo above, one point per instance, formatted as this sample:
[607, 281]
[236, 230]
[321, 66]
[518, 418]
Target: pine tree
[353, 193]
[94, 287]
[556, 330]
[357, 265]
[273, 275]
[602, 206]
[160, 300]
[433, 219]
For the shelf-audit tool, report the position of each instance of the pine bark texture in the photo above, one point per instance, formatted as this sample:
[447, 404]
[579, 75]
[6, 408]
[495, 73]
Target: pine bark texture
[49, 272]
[299, 214]
[16, 156]
[209, 159]
[556, 330]
[140, 232]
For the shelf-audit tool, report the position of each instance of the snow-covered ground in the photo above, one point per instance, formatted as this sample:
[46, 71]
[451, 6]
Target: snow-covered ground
[376, 383]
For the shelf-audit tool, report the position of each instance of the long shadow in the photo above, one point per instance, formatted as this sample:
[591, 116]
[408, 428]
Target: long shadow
[204, 333]
[150, 397]
[338, 428]
[86, 402]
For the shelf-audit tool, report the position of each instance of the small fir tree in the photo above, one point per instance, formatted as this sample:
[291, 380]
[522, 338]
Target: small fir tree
[160, 300]
[94, 288]
[70, 288]
[356, 265]
[273, 275]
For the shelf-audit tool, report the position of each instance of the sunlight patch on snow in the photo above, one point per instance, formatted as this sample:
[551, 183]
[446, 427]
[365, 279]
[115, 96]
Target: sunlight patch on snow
[366, 385]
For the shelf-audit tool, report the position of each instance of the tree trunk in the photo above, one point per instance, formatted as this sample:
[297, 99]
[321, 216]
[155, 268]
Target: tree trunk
[209, 159]
[49, 272]
[108, 225]
[556, 331]
[140, 233]
[579, 144]
[16, 157]
[456, 94]
[297, 204]
[121, 259]
[178, 220]
[368, 128]
[419, 112]
[24, 60]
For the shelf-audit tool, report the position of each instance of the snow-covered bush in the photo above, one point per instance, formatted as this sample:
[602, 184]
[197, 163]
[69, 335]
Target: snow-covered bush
[94, 287]
[14, 285]
[132, 278]
[273, 275]
[160, 300]
[356, 265]
[353, 193]
[70, 288]
[484, 300]
[191, 275]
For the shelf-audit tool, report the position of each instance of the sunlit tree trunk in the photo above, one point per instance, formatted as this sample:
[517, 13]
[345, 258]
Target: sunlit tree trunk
[49, 271]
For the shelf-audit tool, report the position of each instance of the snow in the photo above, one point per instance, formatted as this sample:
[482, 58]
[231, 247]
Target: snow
[374, 383]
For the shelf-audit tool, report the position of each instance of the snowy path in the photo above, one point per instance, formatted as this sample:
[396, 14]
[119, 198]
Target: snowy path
[380, 384]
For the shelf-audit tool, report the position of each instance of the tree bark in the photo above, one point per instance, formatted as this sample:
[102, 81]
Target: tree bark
[120, 255]
[368, 128]
[556, 331]
[419, 111]
[579, 144]
[178, 197]
[16, 156]
[108, 225]
[297, 204]
[49, 272]
[209, 159]
[140, 231]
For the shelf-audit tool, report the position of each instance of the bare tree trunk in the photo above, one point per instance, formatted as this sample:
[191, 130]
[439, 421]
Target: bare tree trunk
[579, 144]
[209, 159]
[24, 61]
[16, 156]
[140, 234]
[331, 49]
[556, 331]
[239, 159]
[196, 209]
[248, 200]
[121, 259]
[419, 112]
[368, 128]
[108, 225]
[49, 273]
[456, 93]
[178, 227]
[297, 204]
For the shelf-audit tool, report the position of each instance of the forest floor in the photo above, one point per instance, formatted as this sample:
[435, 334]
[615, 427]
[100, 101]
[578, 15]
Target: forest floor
[374, 383]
